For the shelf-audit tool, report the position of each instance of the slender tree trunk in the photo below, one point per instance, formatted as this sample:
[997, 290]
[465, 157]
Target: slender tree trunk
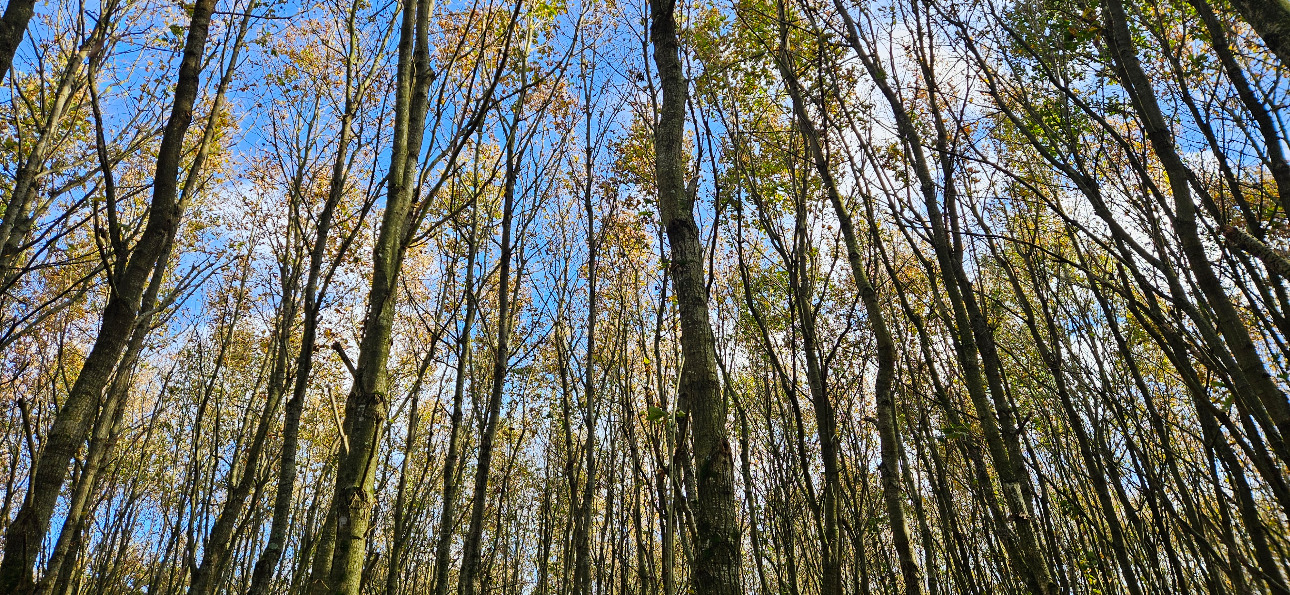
[18, 216]
[1228, 320]
[451, 482]
[266, 564]
[215, 550]
[886, 351]
[105, 428]
[975, 344]
[471, 555]
[402, 529]
[582, 524]
[1052, 358]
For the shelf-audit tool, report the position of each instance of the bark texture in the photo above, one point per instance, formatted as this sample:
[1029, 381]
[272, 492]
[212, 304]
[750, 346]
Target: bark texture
[74, 420]
[717, 555]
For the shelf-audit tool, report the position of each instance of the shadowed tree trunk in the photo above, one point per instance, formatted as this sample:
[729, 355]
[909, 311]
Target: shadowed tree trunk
[1270, 19]
[12, 27]
[74, 419]
[717, 555]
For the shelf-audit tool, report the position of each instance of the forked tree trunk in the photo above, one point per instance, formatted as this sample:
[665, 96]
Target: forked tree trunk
[367, 406]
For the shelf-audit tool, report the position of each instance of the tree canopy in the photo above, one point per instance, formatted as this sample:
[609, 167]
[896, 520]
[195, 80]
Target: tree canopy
[555, 297]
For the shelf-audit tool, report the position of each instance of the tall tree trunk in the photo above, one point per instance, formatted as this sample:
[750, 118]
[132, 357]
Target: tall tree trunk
[717, 556]
[471, 551]
[266, 564]
[215, 551]
[582, 524]
[72, 424]
[451, 481]
[402, 532]
[886, 352]
[974, 344]
[1250, 369]
[367, 406]
[104, 433]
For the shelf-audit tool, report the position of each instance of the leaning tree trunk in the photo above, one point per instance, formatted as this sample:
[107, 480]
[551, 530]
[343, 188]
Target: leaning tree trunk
[1227, 318]
[74, 419]
[12, 27]
[886, 352]
[1270, 19]
[975, 349]
[717, 553]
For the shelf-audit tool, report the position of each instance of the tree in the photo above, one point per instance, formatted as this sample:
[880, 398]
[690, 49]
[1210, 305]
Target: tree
[24, 535]
[717, 549]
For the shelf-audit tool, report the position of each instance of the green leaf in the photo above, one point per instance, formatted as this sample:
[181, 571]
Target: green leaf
[655, 414]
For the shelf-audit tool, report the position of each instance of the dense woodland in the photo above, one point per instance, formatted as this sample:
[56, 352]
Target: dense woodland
[588, 296]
